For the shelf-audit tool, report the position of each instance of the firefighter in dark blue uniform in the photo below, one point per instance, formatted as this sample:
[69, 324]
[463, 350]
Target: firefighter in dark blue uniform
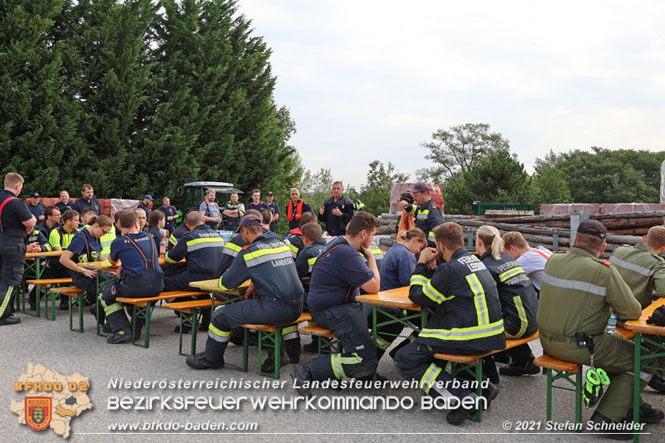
[233, 211]
[313, 245]
[268, 264]
[141, 276]
[202, 247]
[337, 211]
[426, 213]
[15, 221]
[294, 238]
[519, 302]
[465, 316]
[336, 277]
[86, 247]
[87, 201]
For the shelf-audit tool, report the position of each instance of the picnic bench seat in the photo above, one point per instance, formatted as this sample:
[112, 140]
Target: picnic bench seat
[469, 364]
[75, 299]
[188, 312]
[270, 336]
[45, 283]
[143, 309]
[571, 374]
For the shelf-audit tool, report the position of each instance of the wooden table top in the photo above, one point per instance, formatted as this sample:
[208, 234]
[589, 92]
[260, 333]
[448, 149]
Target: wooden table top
[105, 264]
[393, 298]
[641, 325]
[43, 254]
[213, 285]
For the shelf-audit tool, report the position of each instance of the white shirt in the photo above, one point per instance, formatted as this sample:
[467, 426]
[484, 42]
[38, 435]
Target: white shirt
[533, 262]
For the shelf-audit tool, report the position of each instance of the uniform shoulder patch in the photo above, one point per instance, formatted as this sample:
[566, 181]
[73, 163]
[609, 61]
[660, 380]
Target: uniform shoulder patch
[434, 206]
[245, 247]
[605, 262]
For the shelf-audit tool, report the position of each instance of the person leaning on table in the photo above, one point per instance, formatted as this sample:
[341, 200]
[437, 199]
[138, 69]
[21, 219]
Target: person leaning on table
[576, 295]
[15, 222]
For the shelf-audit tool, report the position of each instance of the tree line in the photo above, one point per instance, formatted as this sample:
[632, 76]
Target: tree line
[138, 97]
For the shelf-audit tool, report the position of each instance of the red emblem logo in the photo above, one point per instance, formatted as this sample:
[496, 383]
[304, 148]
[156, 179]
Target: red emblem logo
[38, 412]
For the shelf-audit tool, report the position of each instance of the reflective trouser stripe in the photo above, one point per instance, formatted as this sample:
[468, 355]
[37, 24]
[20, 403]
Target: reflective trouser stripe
[5, 301]
[521, 312]
[337, 368]
[115, 307]
[382, 343]
[429, 377]
[217, 334]
[290, 332]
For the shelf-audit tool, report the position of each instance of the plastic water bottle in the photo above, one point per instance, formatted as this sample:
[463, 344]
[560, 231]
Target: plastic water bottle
[163, 243]
[611, 324]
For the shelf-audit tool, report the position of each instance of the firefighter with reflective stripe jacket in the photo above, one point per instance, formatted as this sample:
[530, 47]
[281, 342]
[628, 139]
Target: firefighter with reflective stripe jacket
[37, 242]
[426, 213]
[465, 316]
[519, 302]
[274, 281]
[641, 267]
[15, 221]
[141, 276]
[576, 295]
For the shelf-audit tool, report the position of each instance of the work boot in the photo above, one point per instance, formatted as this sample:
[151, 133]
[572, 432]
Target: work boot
[490, 393]
[119, 337]
[489, 370]
[268, 366]
[198, 361]
[457, 416]
[657, 383]
[302, 376]
[7, 321]
[516, 369]
[648, 414]
[598, 418]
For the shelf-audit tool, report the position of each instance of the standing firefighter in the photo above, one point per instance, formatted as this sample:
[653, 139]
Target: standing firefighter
[426, 213]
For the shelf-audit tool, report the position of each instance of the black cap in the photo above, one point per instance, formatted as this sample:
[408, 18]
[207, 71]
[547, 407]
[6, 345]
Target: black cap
[420, 187]
[270, 193]
[250, 220]
[35, 195]
[592, 227]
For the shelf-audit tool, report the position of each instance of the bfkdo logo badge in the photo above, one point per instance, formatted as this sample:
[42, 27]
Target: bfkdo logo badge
[38, 412]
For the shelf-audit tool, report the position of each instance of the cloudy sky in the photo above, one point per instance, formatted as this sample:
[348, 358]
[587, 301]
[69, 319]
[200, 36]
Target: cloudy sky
[368, 80]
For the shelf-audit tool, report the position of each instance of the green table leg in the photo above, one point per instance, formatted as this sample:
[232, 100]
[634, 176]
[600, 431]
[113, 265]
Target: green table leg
[636, 382]
[245, 350]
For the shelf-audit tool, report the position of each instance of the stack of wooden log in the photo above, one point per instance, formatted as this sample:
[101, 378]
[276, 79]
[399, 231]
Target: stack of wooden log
[551, 231]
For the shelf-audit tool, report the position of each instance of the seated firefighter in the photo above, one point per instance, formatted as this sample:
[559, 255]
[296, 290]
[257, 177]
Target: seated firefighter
[279, 293]
[465, 318]
[141, 276]
[202, 247]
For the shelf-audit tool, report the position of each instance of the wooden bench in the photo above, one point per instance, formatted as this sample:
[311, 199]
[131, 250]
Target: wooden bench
[188, 312]
[563, 370]
[45, 283]
[143, 309]
[269, 336]
[319, 332]
[469, 364]
[75, 298]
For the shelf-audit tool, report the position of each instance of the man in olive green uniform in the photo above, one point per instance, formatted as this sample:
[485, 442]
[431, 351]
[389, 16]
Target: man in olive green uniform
[643, 270]
[576, 294]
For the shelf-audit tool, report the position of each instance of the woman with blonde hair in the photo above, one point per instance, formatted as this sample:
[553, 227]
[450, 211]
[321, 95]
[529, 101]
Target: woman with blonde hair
[519, 303]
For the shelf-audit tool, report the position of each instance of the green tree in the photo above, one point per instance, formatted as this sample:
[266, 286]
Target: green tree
[37, 120]
[458, 149]
[610, 176]
[376, 193]
[548, 183]
[497, 177]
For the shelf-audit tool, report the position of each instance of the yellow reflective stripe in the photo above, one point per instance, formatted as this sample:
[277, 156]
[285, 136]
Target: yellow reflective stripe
[418, 280]
[431, 292]
[172, 239]
[521, 312]
[169, 259]
[217, 334]
[429, 377]
[351, 360]
[479, 299]
[234, 247]
[424, 212]
[510, 273]
[377, 251]
[290, 332]
[5, 301]
[197, 241]
[222, 287]
[115, 307]
[47, 246]
[431, 234]
[293, 248]
[336, 364]
[382, 343]
[261, 252]
[311, 261]
[464, 334]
